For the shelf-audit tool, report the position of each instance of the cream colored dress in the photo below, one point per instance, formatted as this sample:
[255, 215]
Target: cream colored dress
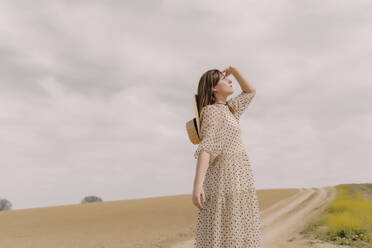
[230, 217]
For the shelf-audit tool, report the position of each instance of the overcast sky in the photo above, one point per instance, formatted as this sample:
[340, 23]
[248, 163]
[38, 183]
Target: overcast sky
[94, 95]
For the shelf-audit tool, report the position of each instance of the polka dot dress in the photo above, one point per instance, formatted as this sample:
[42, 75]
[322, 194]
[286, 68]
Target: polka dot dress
[230, 217]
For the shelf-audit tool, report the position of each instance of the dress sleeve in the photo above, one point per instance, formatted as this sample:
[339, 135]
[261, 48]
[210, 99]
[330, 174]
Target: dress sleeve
[210, 132]
[241, 102]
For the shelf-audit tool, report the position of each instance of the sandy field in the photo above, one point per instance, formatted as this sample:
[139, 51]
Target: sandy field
[167, 222]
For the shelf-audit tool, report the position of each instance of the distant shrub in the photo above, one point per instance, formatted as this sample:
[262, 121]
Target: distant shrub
[91, 198]
[5, 205]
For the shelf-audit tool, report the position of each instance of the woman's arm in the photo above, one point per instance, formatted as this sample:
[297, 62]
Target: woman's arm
[209, 148]
[242, 100]
[244, 84]
[201, 167]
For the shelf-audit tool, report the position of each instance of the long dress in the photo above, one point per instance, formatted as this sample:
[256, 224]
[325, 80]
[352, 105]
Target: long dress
[230, 217]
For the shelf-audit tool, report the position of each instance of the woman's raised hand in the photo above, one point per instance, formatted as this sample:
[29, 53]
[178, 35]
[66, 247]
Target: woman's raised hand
[228, 70]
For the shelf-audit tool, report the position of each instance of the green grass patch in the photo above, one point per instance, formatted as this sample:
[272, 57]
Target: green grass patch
[348, 219]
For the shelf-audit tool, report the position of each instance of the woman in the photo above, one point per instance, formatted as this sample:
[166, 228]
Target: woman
[229, 216]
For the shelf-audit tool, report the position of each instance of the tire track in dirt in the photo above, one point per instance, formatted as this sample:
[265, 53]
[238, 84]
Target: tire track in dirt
[283, 231]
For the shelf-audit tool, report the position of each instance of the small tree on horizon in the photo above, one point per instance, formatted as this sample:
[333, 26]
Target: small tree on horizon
[91, 198]
[5, 204]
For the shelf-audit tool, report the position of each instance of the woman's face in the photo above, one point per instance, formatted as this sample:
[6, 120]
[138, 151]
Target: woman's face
[224, 86]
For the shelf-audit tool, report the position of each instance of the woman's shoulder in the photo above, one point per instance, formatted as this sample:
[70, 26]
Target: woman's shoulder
[209, 108]
[211, 111]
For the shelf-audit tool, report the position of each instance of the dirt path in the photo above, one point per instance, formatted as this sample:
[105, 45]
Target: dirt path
[283, 222]
[282, 227]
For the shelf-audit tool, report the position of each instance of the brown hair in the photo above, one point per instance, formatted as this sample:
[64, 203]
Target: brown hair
[205, 94]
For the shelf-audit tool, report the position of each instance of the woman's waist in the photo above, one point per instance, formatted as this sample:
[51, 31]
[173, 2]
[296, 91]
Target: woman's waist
[234, 152]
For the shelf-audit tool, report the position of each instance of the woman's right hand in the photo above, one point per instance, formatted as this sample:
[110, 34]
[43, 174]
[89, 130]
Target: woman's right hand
[196, 194]
[229, 70]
